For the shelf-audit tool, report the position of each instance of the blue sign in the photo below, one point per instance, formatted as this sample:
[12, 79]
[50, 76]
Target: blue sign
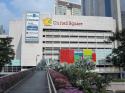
[35, 28]
[32, 27]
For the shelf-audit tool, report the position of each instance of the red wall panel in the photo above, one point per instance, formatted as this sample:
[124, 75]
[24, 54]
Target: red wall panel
[67, 55]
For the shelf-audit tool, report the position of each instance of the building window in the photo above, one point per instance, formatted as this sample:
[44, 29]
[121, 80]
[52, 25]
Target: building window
[60, 10]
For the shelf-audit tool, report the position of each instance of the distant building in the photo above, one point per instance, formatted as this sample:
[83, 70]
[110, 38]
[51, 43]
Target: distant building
[2, 31]
[123, 19]
[107, 8]
[38, 35]
[63, 7]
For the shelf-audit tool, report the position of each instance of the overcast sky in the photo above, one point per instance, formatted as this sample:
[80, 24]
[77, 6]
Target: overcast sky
[13, 9]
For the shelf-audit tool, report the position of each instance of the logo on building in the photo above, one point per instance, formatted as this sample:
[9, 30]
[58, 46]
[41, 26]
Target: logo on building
[47, 22]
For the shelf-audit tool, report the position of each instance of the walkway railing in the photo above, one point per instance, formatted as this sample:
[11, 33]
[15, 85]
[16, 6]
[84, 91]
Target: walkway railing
[51, 85]
[8, 81]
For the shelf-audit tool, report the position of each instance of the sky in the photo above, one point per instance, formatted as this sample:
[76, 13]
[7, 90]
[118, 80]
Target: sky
[14, 9]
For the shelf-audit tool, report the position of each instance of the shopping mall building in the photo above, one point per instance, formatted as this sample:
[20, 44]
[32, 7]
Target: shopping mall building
[37, 36]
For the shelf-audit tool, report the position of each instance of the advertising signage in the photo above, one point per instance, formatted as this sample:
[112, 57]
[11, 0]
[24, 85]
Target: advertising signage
[32, 27]
[71, 55]
[52, 22]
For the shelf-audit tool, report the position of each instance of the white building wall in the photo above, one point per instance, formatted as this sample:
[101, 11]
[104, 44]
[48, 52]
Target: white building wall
[30, 51]
[89, 22]
[15, 31]
[68, 36]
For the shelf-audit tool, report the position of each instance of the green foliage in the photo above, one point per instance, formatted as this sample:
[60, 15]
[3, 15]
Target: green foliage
[117, 57]
[6, 51]
[82, 75]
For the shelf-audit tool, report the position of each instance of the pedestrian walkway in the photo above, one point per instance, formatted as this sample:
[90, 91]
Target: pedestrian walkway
[35, 84]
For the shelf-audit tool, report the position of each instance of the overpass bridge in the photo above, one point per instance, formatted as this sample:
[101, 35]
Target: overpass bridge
[37, 83]
[30, 81]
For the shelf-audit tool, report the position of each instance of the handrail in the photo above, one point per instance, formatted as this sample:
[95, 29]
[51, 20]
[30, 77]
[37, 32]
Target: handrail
[51, 85]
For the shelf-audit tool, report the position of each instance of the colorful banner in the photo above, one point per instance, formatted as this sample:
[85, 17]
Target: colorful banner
[87, 52]
[78, 55]
[89, 55]
[67, 55]
[70, 55]
[63, 55]
[94, 57]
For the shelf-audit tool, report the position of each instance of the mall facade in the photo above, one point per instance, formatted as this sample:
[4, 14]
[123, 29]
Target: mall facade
[39, 36]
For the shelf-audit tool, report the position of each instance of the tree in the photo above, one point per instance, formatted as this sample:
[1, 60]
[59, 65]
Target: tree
[81, 74]
[6, 51]
[117, 57]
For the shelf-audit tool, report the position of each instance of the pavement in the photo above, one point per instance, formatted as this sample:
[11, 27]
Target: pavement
[117, 86]
[37, 83]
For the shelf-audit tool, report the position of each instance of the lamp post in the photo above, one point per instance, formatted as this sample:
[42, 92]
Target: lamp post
[36, 59]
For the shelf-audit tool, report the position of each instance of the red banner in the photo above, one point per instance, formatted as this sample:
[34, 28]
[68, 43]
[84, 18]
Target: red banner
[94, 57]
[70, 56]
[67, 55]
[63, 54]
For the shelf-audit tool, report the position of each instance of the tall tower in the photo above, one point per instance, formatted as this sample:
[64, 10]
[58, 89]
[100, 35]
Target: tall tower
[107, 8]
[88, 7]
[123, 19]
[116, 13]
[103, 8]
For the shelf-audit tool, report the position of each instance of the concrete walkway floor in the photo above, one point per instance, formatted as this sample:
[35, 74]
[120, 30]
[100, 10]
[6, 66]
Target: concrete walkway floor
[37, 83]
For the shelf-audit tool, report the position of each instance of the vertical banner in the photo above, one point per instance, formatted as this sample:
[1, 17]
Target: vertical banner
[78, 55]
[94, 57]
[32, 27]
[70, 57]
[87, 52]
[87, 55]
[63, 55]
[67, 55]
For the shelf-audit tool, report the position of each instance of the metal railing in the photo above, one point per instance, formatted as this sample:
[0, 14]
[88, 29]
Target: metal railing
[51, 85]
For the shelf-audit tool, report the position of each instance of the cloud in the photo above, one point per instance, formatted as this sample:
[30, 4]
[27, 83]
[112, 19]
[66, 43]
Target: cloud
[5, 16]
[16, 8]
[44, 6]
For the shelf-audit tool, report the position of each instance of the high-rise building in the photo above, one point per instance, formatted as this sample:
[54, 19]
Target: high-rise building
[37, 36]
[64, 7]
[88, 7]
[107, 8]
[98, 7]
[123, 19]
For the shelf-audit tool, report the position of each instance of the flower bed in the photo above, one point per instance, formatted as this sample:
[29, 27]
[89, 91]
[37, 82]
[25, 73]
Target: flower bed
[62, 83]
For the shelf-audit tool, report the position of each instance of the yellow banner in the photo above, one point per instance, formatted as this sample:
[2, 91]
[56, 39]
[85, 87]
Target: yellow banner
[87, 52]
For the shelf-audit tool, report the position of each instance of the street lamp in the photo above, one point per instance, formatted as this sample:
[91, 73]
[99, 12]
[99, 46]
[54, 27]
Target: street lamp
[36, 59]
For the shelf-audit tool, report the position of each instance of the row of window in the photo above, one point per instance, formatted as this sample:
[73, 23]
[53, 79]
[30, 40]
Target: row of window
[57, 48]
[67, 36]
[62, 10]
[72, 30]
[71, 42]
